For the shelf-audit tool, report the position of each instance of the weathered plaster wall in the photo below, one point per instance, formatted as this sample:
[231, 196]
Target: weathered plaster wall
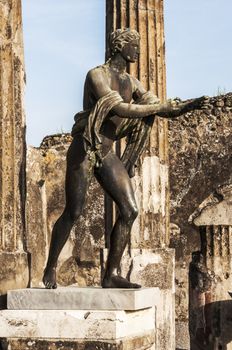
[200, 162]
[200, 156]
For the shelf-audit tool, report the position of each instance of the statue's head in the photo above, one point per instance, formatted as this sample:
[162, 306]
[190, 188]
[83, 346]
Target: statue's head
[126, 42]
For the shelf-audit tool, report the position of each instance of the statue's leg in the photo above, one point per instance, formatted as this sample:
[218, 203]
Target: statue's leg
[77, 179]
[114, 178]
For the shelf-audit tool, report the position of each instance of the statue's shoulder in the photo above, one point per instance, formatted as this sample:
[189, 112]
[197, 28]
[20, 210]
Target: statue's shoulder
[96, 72]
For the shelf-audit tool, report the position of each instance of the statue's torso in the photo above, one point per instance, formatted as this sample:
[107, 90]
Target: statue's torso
[123, 84]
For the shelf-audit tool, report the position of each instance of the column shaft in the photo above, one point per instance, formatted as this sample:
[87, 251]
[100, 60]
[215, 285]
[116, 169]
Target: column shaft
[146, 16]
[12, 127]
[12, 148]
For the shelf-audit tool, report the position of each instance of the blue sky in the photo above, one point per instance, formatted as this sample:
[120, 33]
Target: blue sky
[63, 39]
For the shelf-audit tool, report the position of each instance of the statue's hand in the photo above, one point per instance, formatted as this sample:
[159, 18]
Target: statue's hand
[200, 103]
[175, 108]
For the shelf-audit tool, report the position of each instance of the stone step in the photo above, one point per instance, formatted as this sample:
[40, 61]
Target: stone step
[143, 342]
[73, 324]
[75, 298]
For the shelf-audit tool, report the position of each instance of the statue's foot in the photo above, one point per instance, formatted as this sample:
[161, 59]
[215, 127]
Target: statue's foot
[118, 282]
[49, 278]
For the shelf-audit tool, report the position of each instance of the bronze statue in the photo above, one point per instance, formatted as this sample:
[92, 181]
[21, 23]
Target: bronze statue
[115, 105]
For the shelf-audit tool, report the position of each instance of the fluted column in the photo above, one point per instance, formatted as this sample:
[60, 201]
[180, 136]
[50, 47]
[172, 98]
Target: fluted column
[148, 260]
[13, 260]
[216, 247]
[146, 16]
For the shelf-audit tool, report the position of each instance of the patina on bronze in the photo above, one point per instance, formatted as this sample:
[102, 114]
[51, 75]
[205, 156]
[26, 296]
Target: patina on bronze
[115, 105]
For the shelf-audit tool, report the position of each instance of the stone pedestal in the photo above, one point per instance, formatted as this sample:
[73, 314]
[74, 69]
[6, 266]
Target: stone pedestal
[74, 298]
[75, 324]
[85, 318]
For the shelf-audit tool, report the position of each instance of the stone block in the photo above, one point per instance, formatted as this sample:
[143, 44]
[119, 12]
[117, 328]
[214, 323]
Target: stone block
[74, 298]
[142, 342]
[76, 324]
[14, 271]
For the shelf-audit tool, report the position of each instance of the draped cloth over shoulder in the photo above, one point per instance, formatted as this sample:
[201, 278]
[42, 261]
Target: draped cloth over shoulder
[138, 133]
[137, 130]
[90, 122]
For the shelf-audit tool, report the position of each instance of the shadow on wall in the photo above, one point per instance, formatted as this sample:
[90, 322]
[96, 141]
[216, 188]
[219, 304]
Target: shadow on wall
[214, 325]
[3, 302]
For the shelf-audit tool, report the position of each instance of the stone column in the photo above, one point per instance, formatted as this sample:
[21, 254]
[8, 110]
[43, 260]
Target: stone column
[13, 259]
[146, 16]
[149, 260]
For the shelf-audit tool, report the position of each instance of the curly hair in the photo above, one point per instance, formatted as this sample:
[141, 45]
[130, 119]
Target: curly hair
[120, 37]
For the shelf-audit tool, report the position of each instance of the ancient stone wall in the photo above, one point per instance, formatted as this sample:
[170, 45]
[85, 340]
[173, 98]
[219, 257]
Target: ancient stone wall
[200, 163]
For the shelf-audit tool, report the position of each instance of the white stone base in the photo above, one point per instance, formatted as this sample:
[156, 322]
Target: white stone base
[60, 324]
[74, 298]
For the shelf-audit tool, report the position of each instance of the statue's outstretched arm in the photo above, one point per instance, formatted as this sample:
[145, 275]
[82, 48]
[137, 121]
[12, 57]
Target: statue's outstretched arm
[126, 110]
[165, 110]
[171, 109]
[100, 87]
